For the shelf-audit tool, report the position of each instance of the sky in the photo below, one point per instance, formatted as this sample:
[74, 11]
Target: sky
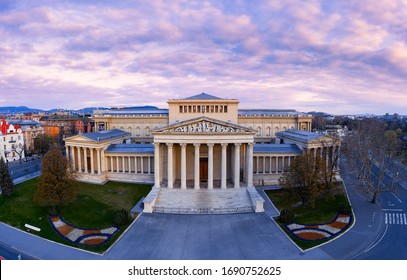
[341, 57]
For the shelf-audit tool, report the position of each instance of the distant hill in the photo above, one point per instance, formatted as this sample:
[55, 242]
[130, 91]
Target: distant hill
[18, 110]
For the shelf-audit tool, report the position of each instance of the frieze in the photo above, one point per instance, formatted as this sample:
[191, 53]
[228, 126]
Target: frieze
[204, 127]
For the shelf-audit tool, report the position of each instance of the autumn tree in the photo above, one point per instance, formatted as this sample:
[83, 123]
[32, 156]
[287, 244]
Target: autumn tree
[42, 143]
[6, 183]
[57, 185]
[371, 151]
[305, 178]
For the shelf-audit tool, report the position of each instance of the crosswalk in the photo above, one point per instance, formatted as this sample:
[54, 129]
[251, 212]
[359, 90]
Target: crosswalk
[395, 219]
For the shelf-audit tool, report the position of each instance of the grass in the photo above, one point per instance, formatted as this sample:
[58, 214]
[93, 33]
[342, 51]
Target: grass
[324, 211]
[93, 208]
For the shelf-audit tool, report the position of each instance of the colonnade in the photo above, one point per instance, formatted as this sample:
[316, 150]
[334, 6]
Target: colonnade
[330, 153]
[197, 149]
[264, 164]
[130, 164]
[78, 156]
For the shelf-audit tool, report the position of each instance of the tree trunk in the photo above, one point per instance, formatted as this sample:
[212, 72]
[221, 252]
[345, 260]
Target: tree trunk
[374, 198]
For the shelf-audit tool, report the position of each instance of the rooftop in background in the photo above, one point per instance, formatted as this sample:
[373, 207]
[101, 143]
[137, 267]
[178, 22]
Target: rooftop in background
[269, 112]
[22, 122]
[130, 148]
[136, 111]
[276, 148]
[203, 96]
[299, 135]
[106, 135]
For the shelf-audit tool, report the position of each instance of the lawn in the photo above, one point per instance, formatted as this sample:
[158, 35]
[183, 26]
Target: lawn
[93, 208]
[324, 210]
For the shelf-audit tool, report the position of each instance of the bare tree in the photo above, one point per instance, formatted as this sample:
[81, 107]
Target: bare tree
[332, 152]
[371, 151]
[19, 150]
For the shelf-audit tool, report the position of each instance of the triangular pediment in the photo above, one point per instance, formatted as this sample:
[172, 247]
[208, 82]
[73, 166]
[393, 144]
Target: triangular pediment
[79, 138]
[204, 125]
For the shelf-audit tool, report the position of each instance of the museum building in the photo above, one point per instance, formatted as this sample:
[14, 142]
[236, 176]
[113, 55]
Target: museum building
[203, 154]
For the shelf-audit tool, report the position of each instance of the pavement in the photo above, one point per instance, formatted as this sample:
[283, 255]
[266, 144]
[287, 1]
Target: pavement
[232, 236]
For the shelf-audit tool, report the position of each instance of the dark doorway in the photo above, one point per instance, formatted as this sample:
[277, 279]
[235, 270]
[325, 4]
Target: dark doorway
[203, 169]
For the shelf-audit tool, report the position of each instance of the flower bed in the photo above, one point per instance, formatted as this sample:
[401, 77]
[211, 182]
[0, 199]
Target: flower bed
[316, 232]
[90, 237]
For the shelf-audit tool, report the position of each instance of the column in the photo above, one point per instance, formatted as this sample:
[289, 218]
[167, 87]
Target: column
[129, 162]
[156, 165]
[101, 160]
[210, 166]
[67, 153]
[135, 159]
[223, 179]
[282, 163]
[271, 166]
[73, 158]
[149, 165]
[117, 164]
[264, 165]
[257, 165]
[79, 160]
[250, 164]
[85, 159]
[183, 166]
[169, 167]
[141, 165]
[237, 166]
[111, 164]
[92, 164]
[123, 165]
[196, 167]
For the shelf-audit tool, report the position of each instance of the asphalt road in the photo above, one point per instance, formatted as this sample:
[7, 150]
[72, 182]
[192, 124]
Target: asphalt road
[10, 253]
[30, 166]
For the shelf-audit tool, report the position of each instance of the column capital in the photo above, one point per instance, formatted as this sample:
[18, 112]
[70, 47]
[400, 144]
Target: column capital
[183, 144]
[224, 145]
[169, 145]
[237, 144]
[197, 145]
[156, 144]
[250, 144]
[210, 144]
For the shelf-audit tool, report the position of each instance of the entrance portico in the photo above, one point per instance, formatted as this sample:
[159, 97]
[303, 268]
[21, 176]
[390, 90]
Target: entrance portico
[210, 153]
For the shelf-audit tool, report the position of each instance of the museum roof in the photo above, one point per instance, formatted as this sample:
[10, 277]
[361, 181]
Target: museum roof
[276, 148]
[136, 111]
[105, 135]
[269, 112]
[130, 148]
[203, 96]
[299, 135]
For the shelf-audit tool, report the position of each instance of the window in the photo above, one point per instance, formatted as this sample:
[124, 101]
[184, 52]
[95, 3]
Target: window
[212, 109]
[180, 109]
[216, 109]
[194, 109]
[189, 109]
[199, 109]
[220, 109]
[225, 109]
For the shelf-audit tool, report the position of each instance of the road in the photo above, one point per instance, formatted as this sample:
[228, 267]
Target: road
[30, 166]
[391, 244]
[10, 253]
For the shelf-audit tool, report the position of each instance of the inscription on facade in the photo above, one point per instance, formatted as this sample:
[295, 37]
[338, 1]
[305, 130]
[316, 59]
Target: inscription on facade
[205, 127]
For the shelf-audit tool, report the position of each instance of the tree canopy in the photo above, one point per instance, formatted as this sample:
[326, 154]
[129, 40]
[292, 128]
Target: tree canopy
[57, 185]
[6, 183]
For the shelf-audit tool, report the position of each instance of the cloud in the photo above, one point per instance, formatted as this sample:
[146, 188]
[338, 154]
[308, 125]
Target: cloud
[337, 56]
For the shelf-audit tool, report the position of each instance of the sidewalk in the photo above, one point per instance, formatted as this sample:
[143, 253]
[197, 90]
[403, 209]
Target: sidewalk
[27, 177]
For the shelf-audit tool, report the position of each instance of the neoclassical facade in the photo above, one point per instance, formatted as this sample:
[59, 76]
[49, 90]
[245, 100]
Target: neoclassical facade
[202, 146]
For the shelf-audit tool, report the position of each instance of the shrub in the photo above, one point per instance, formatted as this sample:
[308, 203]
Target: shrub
[286, 216]
[120, 217]
[346, 209]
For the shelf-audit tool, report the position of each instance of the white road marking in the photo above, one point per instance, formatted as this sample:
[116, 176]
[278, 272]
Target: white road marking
[397, 197]
[385, 218]
[405, 219]
[374, 245]
[394, 218]
[399, 210]
[397, 218]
